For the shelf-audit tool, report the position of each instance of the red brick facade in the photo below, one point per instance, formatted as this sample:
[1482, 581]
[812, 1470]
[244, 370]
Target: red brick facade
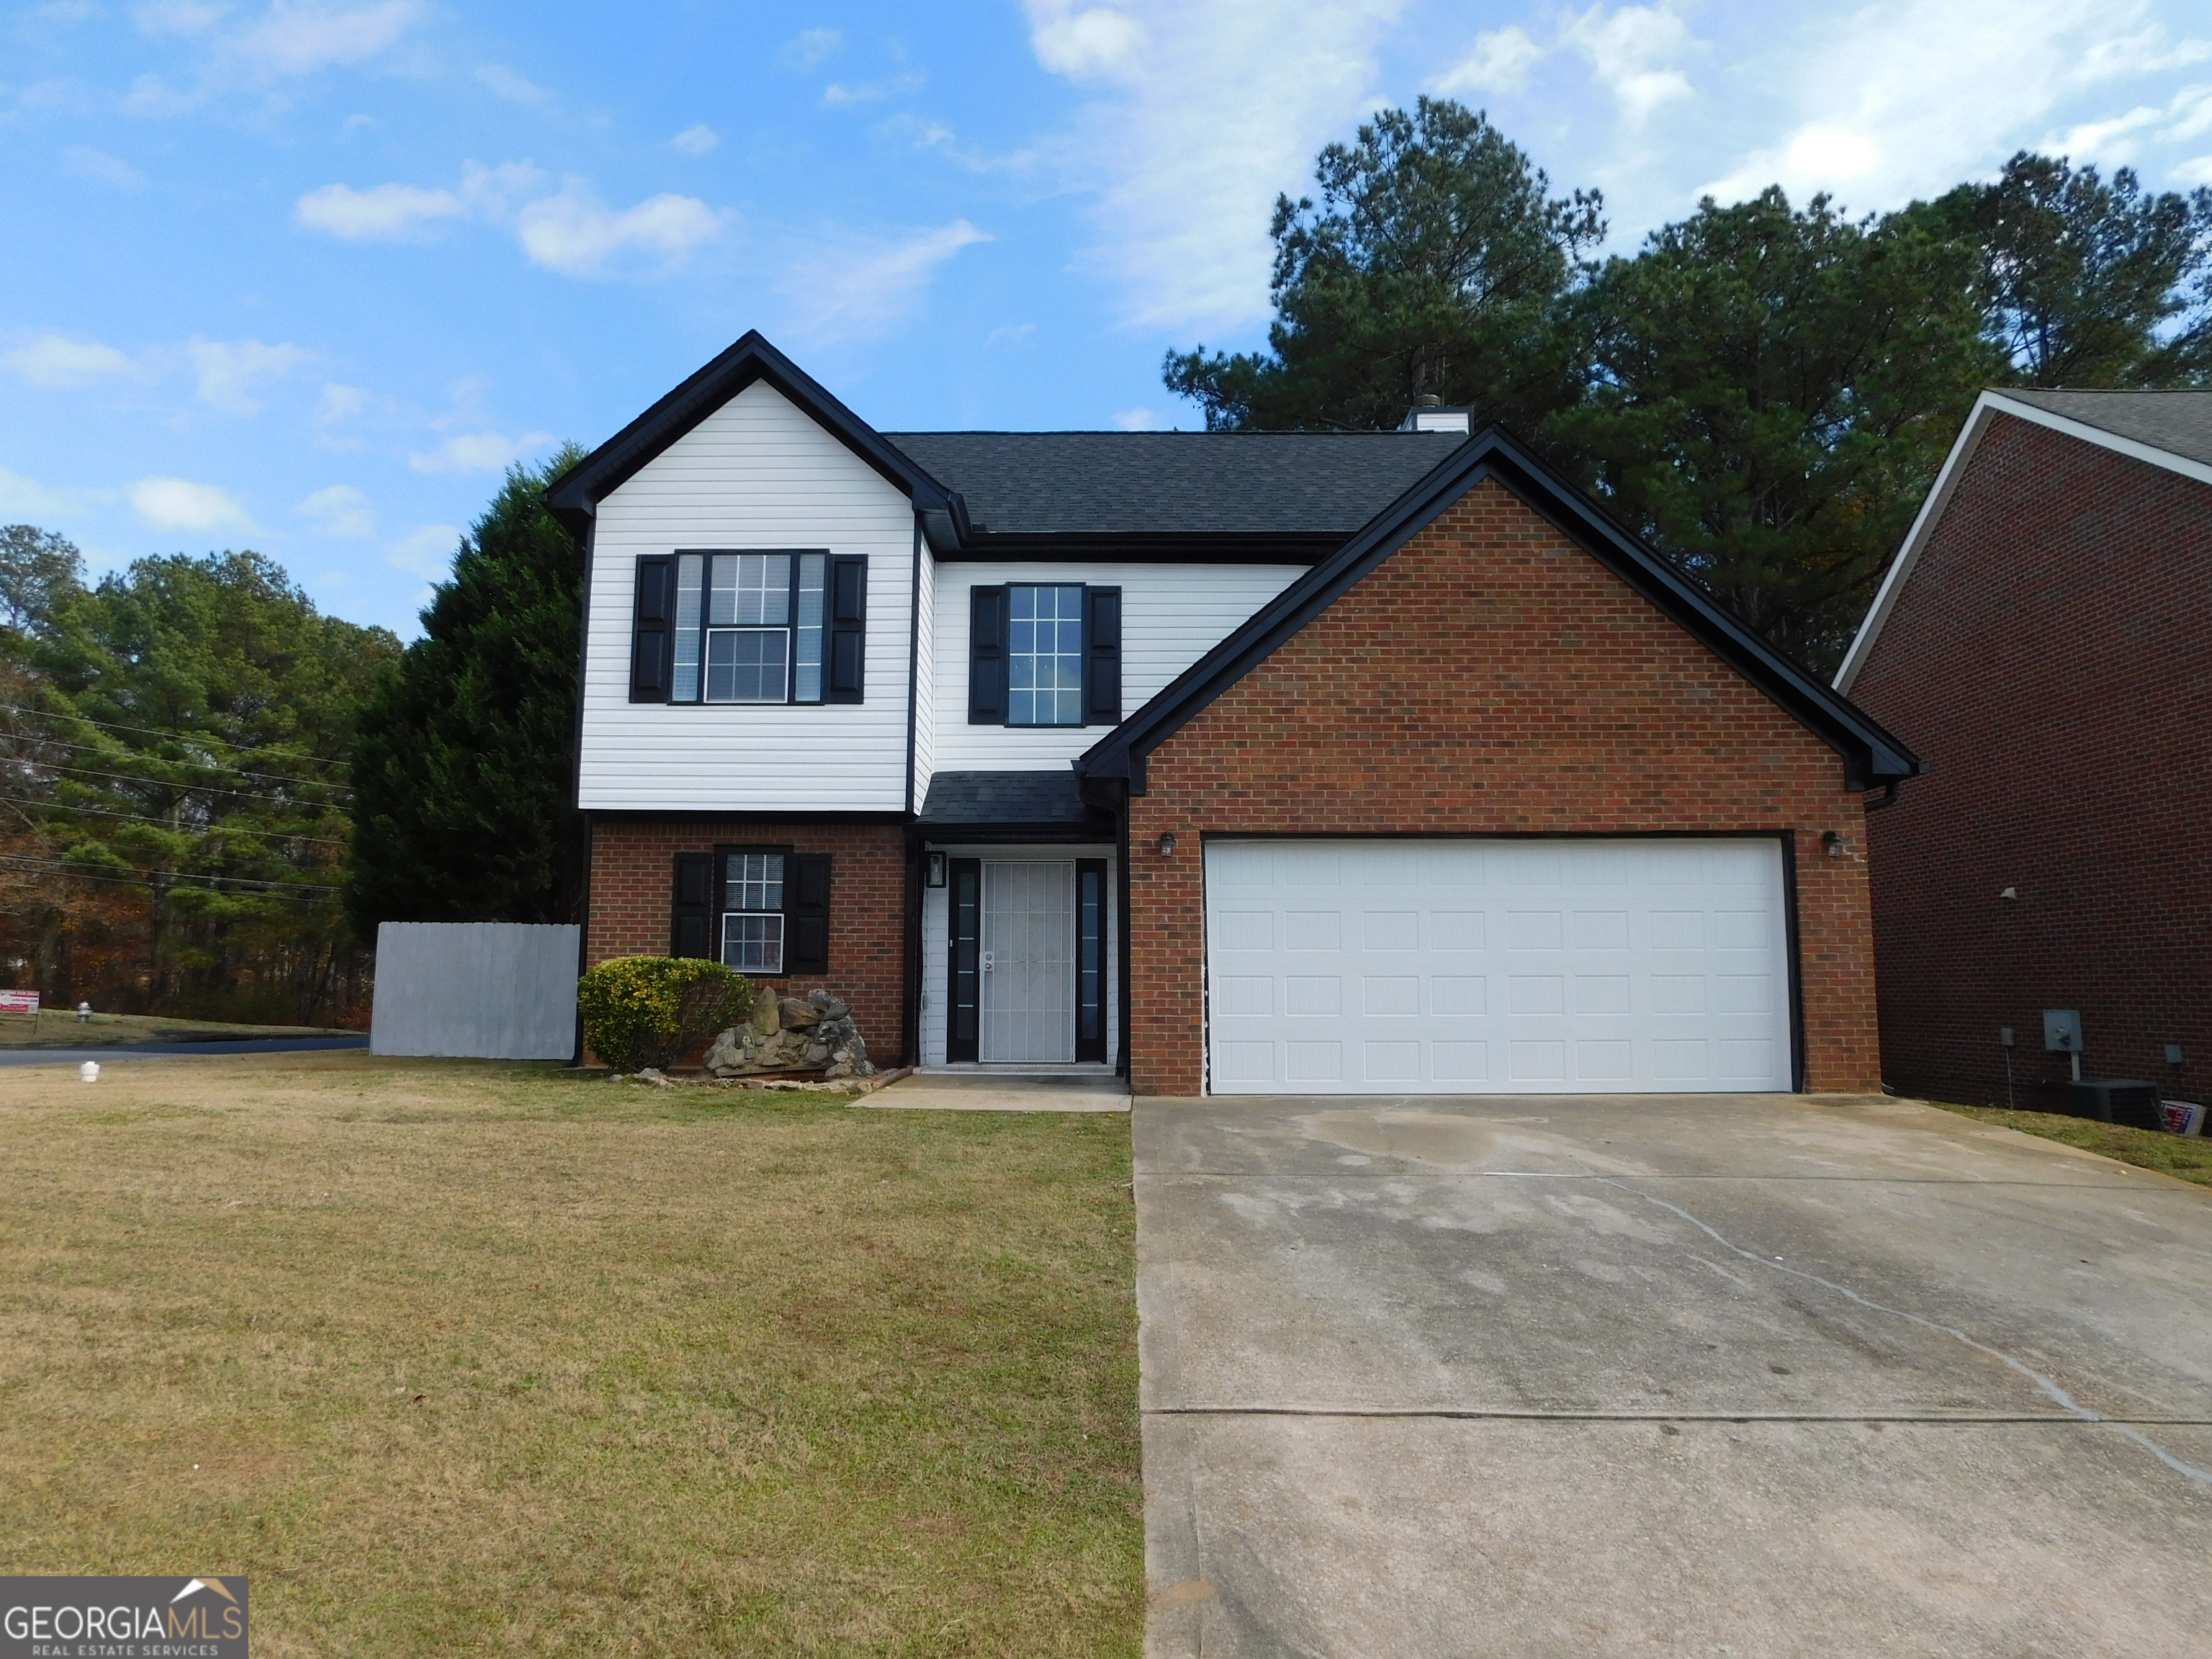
[1491, 676]
[633, 891]
[2052, 654]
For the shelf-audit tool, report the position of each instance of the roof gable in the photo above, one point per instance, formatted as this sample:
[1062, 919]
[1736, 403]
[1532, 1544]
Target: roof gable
[2124, 422]
[576, 494]
[1871, 754]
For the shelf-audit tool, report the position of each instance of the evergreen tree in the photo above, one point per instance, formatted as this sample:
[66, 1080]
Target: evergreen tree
[2088, 283]
[464, 776]
[1430, 266]
[1771, 392]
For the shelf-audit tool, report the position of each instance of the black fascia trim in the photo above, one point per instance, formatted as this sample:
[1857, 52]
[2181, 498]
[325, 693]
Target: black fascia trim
[697, 815]
[577, 493]
[1097, 834]
[1871, 754]
[1144, 547]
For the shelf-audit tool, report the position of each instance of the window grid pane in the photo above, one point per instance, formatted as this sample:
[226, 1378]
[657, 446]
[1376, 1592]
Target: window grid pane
[752, 945]
[750, 589]
[753, 881]
[685, 686]
[1044, 656]
[747, 665]
[813, 574]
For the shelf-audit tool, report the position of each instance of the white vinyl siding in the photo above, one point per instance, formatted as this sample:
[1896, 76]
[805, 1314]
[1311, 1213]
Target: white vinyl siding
[925, 682]
[934, 941]
[756, 474]
[1171, 616]
[1391, 966]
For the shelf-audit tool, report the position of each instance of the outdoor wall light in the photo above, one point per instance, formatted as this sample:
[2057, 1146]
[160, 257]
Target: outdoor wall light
[2012, 893]
[933, 870]
[1167, 845]
[1832, 842]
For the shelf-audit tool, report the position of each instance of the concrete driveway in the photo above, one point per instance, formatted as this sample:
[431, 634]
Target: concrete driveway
[1690, 1375]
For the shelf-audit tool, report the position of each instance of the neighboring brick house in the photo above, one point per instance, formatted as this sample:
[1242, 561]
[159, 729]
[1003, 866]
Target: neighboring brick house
[2045, 637]
[1399, 768]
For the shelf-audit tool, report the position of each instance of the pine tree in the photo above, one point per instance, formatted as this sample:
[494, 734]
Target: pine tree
[464, 777]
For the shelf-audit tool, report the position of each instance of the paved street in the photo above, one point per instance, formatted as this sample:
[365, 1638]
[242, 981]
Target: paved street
[1749, 1375]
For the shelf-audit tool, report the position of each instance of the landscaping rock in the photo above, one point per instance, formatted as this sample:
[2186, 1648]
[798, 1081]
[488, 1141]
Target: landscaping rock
[796, 1016]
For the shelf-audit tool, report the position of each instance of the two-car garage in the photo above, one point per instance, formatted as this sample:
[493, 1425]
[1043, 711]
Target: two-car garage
[1391, 965]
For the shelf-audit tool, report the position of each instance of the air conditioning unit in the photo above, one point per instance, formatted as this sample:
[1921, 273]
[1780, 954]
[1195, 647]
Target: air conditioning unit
[2115, 1100]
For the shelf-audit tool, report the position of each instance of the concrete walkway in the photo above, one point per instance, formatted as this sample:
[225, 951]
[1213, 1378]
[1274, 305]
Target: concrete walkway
[988, 1092]
[1749, 1375]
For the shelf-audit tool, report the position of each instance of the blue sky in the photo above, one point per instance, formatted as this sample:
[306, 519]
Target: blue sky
[304, 277]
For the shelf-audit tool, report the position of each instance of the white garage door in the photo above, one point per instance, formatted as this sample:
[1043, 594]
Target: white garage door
[1540, 967]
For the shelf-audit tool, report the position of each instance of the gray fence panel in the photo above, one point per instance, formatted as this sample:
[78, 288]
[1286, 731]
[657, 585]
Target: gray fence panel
[487, 990]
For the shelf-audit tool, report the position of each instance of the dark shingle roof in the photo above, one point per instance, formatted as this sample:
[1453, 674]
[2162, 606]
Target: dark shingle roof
[983, 798]
[1044, 484]
[2180, 422]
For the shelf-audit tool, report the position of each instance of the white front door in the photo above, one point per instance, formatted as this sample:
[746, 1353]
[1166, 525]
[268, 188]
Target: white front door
[1027, 961]
[1513, 967]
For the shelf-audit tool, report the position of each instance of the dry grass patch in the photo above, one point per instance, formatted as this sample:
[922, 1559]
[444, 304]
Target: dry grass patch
[2186, 1157]
[452, 1357]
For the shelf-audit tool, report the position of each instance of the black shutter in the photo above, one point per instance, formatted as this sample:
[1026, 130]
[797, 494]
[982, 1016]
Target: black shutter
[691, 924]
[963, 976]
[806, 914]
[1102, 656]
[652, 641]
[848, 625]
[1091, 959]
[987, 656]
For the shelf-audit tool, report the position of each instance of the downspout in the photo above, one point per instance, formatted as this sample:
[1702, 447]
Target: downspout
[589, 539]
[910, 965]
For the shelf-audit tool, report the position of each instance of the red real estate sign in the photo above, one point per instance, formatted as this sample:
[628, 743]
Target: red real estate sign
[19, 1002]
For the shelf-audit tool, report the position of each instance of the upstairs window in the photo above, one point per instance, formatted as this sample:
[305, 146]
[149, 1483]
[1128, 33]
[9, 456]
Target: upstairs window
[758, 627]
[1044, 656]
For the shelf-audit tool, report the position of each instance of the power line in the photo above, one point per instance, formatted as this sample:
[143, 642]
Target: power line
[235, 771]
[173, 736]
[193, 788]
[88, 872]
[141, 817]
[279, 890]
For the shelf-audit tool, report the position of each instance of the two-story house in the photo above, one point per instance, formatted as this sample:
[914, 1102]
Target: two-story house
[1324, 762]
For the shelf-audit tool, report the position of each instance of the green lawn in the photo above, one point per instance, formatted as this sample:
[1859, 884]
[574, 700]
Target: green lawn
[2186, 1157]
[450, 1358]
[60, 1028]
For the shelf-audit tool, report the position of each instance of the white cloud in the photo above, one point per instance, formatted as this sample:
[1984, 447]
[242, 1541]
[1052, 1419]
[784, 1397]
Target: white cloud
[1008, 334]
[1904, 99]
[380, 214]
[1500, 63]
[571, 233]
[2197, 170]
[426, 552]
[1633, 52]
[108, 169]
[696, 140]
[178, 504]
[55, 360]
[231, 372]
[480, 451]
[856, 290]
[295, 39]
[1138, 420]
[2191, 110]
[2114, 141]
[25, 498]
[1205, 113]
[809, 47]
[340, 402]
[839, 94]
[507, 83]
[340, 512]
[185, 17]
[1086, 43]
